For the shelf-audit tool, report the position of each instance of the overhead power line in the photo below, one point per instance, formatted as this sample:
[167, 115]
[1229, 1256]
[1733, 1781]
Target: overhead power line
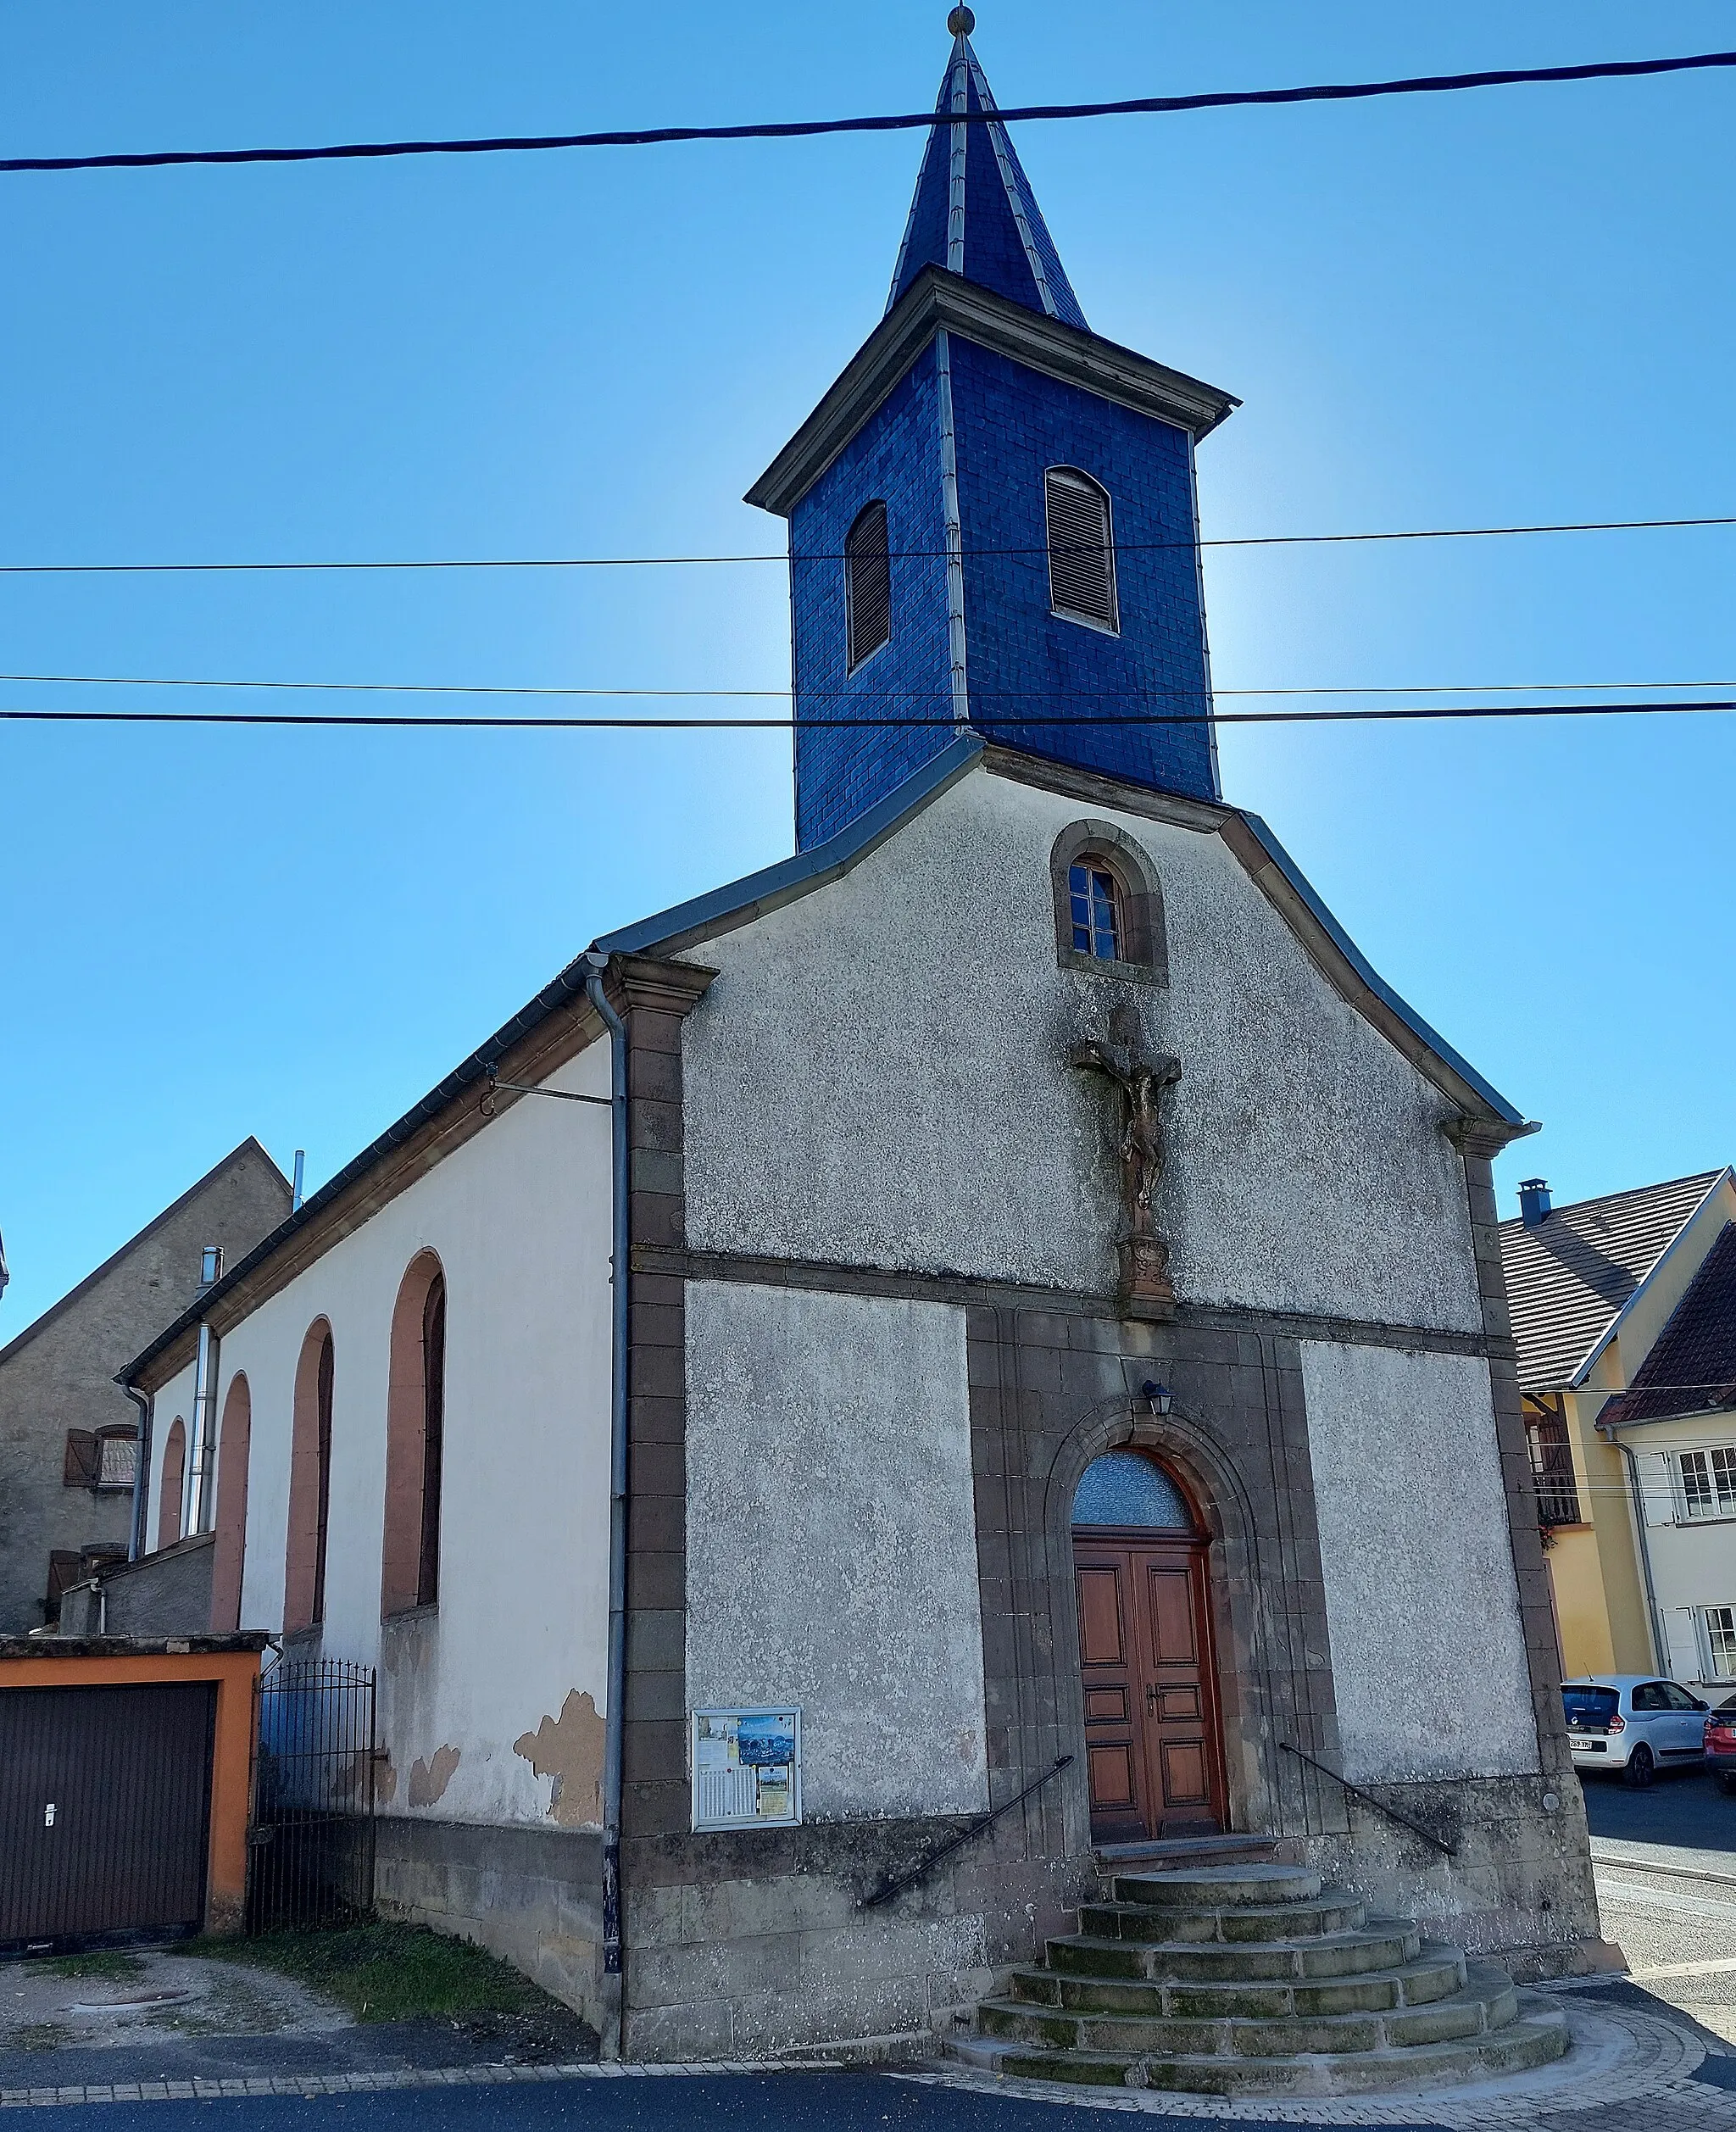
[784, 695]
[897, 122]
[1024, 719]
[897, 554]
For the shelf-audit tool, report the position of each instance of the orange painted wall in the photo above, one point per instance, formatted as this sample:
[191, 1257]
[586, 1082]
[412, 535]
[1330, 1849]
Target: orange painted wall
[235, 1672]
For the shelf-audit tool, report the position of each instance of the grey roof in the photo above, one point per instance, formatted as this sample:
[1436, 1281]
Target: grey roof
[703, 917]
[1569, 1278]
[249, 1151]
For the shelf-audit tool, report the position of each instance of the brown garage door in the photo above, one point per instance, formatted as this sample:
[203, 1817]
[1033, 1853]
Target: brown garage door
[104, 1805]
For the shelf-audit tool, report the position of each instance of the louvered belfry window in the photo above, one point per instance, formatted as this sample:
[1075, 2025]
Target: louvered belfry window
[1082, 552]
[867, 584]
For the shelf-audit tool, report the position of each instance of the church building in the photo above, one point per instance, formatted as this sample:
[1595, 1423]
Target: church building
[998, 1313]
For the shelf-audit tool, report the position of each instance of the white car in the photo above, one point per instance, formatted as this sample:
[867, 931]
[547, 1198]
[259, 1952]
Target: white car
[1634, 1722]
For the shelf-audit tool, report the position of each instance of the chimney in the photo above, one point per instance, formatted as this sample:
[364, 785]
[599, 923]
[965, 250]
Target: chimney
[1533, 1201]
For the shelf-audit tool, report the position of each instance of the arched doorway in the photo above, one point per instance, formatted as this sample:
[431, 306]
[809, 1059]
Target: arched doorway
[1153, 1746]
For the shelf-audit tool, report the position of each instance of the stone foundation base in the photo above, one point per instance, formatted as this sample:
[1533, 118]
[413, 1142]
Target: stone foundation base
[532, 1896]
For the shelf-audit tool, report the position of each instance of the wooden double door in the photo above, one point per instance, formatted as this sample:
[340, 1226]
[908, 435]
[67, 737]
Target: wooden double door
[1153, 1750]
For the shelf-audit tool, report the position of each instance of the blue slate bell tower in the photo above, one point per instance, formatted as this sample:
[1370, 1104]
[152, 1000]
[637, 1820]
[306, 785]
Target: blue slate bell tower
[1016, 498]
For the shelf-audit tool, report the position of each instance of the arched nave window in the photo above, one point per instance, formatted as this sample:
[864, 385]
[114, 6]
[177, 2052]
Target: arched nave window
[309, 1483]
[415, 1432]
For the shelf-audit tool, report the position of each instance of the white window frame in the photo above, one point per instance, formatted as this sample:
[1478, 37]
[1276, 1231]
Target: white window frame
[1714, 1484]
[1710, 1640]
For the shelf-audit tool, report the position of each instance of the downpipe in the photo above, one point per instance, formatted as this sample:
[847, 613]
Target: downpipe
[619, 1330]
[141, 1472]
[1653, 1620]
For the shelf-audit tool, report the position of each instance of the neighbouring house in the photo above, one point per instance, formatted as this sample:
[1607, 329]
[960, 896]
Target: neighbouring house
[985, 1313]
[1600, 1295]
[68, 1435]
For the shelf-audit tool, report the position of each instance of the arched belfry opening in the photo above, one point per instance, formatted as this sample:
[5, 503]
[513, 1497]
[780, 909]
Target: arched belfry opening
[1154, 1741]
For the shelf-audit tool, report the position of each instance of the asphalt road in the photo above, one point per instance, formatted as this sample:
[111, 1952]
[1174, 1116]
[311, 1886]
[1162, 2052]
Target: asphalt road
[735, 2102]
[1666, 1865]
[1683, 1808]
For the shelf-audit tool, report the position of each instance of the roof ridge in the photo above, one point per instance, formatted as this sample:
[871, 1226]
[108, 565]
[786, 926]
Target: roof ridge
[1707, 1177]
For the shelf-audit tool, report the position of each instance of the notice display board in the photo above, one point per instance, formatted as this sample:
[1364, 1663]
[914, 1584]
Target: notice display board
[747, 1768]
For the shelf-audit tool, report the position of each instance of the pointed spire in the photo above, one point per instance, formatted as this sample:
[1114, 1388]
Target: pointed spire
[973, 211]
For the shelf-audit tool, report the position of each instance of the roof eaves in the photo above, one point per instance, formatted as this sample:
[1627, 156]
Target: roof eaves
[939, 300]
[668, 932]
[558, 991]
[1481, 1091]
[740, 902]
[1577, 1381]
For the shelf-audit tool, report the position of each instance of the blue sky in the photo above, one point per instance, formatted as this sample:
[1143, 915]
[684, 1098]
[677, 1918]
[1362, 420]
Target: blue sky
[1511, 305]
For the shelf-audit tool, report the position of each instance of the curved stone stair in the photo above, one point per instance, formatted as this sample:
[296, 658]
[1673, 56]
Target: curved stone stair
[1256, 1979]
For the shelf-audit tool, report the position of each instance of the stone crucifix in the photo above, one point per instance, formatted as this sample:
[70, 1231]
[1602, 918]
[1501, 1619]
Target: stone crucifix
[1140, 1084]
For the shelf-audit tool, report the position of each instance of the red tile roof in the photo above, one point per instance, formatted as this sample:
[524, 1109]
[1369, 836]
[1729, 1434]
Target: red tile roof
[1693, 1363]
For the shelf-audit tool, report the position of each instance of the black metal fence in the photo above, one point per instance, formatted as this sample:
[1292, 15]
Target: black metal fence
[311, 1855]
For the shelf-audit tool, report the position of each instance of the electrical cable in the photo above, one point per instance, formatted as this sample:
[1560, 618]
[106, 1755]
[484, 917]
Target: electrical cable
[1222, 99]
[825, 695]
[897, 554]
[1021, 719]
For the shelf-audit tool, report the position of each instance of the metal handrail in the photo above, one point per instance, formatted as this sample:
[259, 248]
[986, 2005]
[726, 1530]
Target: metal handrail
[888, 1889]
[1368, 1799]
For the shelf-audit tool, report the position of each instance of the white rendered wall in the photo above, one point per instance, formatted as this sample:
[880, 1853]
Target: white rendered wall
[520, 1217]
[832, 1541]
[1428, 1652]
[1693, 1561]
[173, 1401]
[923, 1114]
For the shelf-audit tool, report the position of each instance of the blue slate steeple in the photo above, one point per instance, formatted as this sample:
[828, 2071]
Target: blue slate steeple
[973, 211]
[1015, 495]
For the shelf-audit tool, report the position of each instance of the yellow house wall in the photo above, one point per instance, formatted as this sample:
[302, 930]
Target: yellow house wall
[1595, 1568]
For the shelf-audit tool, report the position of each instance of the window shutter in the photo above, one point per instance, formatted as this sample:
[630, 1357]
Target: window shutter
[867, 584]
[84, 1460]
[1081, 563]
[65, 1567]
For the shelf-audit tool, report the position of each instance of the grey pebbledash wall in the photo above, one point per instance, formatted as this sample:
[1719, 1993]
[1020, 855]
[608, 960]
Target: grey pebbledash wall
[755, 1942]
[829, 1465]
[913, 1138]
[925, 1117]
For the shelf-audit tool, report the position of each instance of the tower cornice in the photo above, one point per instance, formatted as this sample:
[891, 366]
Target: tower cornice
[937, 301]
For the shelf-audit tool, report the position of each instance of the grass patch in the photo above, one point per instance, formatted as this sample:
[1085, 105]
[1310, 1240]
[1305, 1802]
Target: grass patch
[404, 1972]
[110, 1964]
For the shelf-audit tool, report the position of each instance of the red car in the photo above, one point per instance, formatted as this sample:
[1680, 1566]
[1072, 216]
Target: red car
[1721, 1743]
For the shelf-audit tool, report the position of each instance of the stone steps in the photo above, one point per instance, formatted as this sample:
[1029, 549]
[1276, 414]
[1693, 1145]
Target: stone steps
[1434, 1973]
[1537, 2037]
[1253, 1978]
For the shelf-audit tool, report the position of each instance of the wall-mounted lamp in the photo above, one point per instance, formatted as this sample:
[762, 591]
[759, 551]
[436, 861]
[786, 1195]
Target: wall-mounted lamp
[1158, 1397]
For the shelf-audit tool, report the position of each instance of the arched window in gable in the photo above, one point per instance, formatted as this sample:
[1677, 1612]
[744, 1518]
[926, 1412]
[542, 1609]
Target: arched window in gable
[1108, 905]
[415, 1435]
[867, 584]
[229, 1552]
[1082, 548]
[170, 1482]
[309, 1483]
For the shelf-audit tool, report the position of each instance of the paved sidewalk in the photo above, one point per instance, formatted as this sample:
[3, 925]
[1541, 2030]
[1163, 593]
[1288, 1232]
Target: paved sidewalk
[1635, 2066]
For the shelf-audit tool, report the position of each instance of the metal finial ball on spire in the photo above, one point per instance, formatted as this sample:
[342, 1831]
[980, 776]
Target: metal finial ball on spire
[961, 22]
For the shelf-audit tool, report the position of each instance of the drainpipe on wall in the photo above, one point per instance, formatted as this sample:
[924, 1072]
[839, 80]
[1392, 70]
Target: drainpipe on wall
[1654, 1624]
[141, 1472]
[201, 1449]
[619, 1326]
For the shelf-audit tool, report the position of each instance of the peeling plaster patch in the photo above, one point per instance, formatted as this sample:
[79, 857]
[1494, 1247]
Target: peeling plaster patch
[569, 1750]
[429, 1779]
[385, 1780]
